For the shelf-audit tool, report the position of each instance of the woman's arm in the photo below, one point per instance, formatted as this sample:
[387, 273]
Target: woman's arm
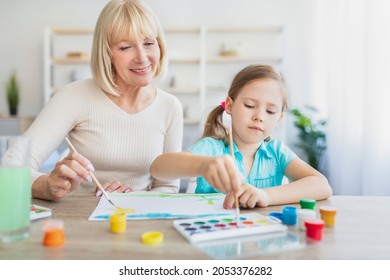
[65, 177]
[53, 123]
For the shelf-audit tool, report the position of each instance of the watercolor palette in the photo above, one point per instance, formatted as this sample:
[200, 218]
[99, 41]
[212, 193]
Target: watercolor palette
[39, 212]
[212, 228]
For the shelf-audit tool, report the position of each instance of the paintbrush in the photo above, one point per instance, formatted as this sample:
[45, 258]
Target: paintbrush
[235, 195]
[93, 176]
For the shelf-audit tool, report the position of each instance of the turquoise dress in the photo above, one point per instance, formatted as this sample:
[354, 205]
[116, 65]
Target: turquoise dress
[271, 160]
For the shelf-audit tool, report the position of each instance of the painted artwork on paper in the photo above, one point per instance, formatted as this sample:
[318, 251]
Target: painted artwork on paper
[161, 206]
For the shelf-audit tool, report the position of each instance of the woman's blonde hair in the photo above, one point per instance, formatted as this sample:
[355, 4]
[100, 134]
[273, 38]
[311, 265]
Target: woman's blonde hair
[122, 20]
[214, 124]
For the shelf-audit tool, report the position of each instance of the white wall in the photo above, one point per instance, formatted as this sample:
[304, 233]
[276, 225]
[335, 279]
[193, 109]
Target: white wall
[296, 16]
[22, 25]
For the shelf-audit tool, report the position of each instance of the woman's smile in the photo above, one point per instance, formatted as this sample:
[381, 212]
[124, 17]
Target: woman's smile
[142, 70]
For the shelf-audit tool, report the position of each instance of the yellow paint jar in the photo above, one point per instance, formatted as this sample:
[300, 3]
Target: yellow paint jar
[118, 222]
[328, 215]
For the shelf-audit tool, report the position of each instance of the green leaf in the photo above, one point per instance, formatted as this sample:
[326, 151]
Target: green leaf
[12, 88]
[312, 136]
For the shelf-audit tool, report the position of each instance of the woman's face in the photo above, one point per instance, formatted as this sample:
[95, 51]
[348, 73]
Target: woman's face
[135, 62]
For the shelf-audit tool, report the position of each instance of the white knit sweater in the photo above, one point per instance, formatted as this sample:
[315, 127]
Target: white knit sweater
[120, 146]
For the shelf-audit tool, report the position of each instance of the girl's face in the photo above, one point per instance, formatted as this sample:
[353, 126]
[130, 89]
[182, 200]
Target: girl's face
[135, 62]
[256, 112]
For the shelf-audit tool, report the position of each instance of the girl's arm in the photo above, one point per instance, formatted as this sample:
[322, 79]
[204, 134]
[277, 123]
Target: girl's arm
[172, 143]
[306, 182]
[220, 172]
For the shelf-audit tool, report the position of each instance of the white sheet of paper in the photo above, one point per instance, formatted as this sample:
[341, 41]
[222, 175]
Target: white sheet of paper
[162, 206]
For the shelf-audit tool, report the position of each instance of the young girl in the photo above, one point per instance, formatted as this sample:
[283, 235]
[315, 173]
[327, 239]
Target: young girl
[256, 103]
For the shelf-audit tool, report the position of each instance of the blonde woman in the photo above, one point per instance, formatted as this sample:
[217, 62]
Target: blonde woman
[118, 121]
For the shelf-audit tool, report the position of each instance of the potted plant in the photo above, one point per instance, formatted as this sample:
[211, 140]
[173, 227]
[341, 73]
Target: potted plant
[312, 137]
[12, 88]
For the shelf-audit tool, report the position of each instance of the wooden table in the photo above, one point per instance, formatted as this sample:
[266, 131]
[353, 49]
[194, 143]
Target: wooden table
[361, 232]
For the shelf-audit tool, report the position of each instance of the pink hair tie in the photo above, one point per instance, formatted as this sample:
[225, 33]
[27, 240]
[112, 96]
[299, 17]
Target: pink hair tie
[223, 104]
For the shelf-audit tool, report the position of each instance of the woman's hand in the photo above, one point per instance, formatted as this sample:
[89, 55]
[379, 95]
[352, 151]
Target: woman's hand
[248, 197]
[115, 187]
[67, 175]
[222, 173]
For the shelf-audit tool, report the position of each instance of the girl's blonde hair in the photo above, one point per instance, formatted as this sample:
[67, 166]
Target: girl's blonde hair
[214, 125]
[122, 20]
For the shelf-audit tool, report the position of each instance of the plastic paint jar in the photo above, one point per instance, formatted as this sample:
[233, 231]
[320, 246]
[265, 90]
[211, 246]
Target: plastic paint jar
[307, 203]
[289, 215]
[304, 215]
[118, 222]
[328, 214]
[314, 229]
[54, 232]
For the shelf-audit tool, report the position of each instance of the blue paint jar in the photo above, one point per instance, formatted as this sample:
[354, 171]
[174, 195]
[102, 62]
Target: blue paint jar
[289, 215]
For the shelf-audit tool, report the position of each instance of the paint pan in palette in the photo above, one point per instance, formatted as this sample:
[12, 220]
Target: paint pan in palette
[205, 229]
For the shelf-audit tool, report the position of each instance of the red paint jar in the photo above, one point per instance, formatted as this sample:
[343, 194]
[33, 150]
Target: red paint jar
[314, 229]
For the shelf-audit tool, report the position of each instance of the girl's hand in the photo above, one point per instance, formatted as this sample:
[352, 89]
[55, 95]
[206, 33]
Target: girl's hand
[115, 187]
[249, 197]
[222, 173]
[67, 175]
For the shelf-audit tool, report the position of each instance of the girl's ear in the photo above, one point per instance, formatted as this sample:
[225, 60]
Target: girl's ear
[281, 118]
[228, 105]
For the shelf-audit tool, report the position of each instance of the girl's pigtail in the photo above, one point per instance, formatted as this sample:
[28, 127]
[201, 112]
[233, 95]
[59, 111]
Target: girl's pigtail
[214, 127]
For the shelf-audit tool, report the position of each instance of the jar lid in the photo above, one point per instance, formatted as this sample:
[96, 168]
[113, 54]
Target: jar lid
[307, 203]
[152, 237]
[277, 215]
[327, 210]
[289, 210]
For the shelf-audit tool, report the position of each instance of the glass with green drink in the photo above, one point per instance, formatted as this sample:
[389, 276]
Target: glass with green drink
[15, 188]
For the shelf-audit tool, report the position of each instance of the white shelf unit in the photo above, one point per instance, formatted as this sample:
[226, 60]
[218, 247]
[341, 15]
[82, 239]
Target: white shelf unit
[184, 73]
[200, 73]
[197, 73]
[60, 66]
